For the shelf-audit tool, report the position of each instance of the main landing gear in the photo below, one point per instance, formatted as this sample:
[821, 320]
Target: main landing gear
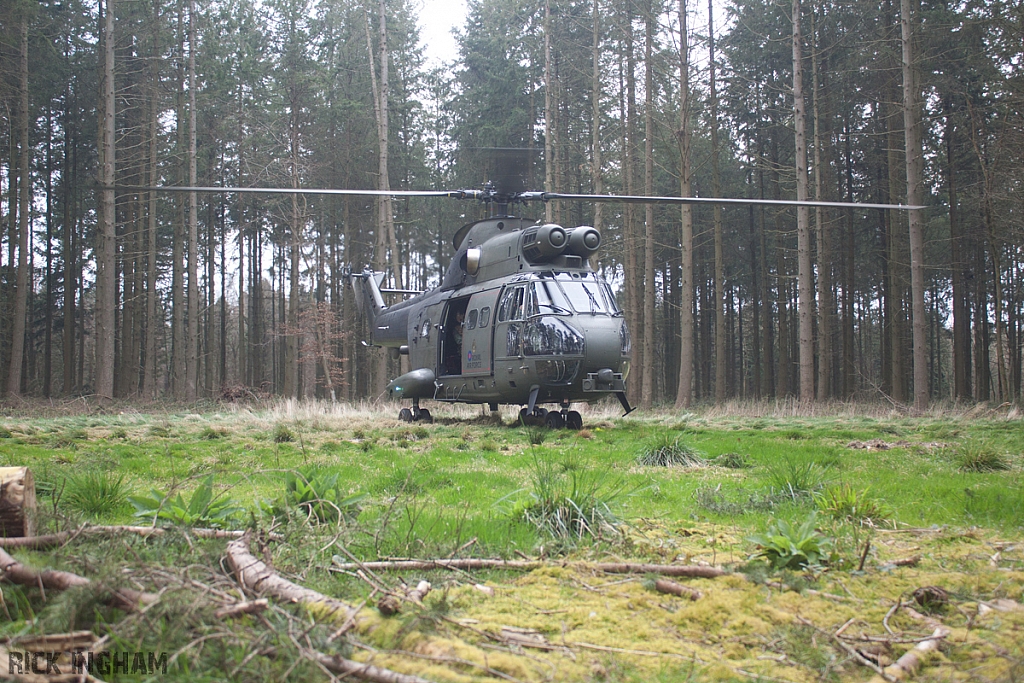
[417, 414]
[552, 419]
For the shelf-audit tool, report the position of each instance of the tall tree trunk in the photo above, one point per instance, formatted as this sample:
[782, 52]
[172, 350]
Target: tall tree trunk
[805, 273]
[192, 324]
[597, 179]
[849, 368]
[549, 129]
[48, 316]
[826, 303]
[632, 275]
[106, 255]
[915, 165]
[385, 217]
[647, 390]
[67, 244]
[684, 136]
[149, 384]
[178, 301]
[961, 308]
[24, 192]
[716, 191]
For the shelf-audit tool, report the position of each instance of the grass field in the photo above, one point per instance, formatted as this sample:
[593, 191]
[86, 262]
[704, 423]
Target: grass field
[871, 488]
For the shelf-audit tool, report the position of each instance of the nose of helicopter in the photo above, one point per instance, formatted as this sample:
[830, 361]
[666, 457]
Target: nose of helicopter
[604, 358]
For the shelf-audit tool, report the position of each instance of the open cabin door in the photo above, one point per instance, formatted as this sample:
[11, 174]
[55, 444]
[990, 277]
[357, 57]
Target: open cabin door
[477, 329]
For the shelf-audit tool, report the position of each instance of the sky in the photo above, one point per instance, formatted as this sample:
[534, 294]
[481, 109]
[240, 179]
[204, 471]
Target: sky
[437, 18]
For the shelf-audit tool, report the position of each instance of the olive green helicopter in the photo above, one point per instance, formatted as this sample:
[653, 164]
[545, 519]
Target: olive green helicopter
[521, 316]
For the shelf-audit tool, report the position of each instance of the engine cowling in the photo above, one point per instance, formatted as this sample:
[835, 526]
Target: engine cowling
[543, 243]
[584, 242]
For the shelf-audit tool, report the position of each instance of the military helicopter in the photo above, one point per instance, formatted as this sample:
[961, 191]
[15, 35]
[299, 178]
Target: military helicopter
[520, 317]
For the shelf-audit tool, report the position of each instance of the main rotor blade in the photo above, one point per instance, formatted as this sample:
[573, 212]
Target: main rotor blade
[640, 199]
[457, 194]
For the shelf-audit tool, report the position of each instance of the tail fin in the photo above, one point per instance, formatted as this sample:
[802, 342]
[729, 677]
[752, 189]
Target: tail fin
[369, 300]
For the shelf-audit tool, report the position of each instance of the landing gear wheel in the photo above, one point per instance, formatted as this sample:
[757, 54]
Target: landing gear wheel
[405, 415]
[424, 416]
[573, 421]
[524, 416]
[553, 420]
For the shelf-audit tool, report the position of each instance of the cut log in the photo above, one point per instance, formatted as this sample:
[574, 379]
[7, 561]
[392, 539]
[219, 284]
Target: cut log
[17, 502]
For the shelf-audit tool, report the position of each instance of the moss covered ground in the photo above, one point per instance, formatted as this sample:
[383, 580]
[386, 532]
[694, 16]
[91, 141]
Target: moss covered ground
[944, 491]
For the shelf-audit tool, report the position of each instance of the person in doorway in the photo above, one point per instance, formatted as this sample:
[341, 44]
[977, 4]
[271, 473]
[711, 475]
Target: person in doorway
[454, 358]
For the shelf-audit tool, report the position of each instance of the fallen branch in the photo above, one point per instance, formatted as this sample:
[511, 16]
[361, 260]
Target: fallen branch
[62, 537]
[689, 571]
[673, 588]
[254, 574]
[53, 579]
[248, 607]
[905, 667]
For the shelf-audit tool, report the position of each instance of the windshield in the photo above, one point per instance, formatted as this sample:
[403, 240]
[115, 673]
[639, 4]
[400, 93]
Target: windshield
[586, 297]
[547, 297]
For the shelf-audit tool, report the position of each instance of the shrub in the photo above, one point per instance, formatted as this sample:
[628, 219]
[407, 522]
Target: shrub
[283, 435]
[847, 503]
[203, 509]
[570, 501]
[979, 456]
[788, 547]
[96, 492]
[733, 461]
[795, 479]
[212, 433]
[666, 451]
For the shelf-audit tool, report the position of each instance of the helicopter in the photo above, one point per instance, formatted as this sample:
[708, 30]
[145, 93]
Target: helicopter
[520, 317]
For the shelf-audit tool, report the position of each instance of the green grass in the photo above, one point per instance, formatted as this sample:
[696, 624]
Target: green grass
[480, 488]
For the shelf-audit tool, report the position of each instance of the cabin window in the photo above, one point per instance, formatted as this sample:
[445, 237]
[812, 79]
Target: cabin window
[511, 307]
[485, 316]
[471, 320]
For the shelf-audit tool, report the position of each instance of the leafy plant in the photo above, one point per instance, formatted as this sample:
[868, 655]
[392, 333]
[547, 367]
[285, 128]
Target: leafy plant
[318, 496]
[203, 509]
[666, 451]
[97, 492]
[788, 547]
[795, 479]
[843, 501]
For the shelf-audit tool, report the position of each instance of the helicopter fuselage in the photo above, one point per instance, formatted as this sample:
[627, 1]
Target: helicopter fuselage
[520, 318]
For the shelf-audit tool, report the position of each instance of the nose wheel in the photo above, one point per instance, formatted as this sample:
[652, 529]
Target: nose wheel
[416, 414]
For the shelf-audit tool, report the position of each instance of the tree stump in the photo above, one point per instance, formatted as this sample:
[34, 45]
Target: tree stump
[17, 502]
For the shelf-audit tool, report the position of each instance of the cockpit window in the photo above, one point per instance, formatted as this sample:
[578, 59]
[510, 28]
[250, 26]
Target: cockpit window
[586, 297]
[547, 297]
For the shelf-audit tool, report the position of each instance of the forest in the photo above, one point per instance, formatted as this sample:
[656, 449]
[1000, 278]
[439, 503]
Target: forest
[112, 291]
